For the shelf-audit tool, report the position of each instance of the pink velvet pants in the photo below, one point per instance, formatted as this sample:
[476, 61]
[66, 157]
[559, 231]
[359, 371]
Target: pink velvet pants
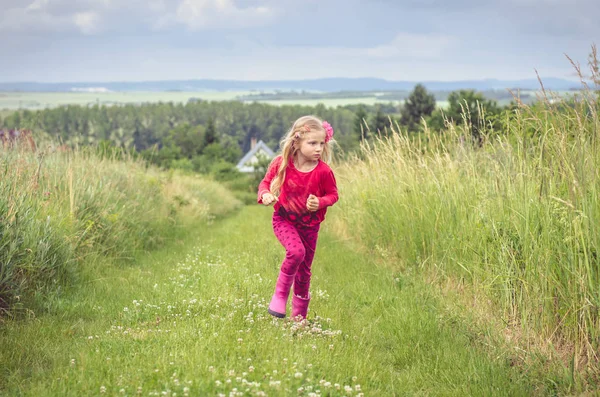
[300, 243]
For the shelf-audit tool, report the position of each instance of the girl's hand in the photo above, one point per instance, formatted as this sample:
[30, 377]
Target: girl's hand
[312, 203]
[268, 199]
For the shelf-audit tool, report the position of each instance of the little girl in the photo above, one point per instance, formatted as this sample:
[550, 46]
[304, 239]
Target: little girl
[302, 186]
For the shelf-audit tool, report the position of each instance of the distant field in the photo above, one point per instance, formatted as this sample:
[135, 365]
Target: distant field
[329, 102]
[10, 101]
[41, 100]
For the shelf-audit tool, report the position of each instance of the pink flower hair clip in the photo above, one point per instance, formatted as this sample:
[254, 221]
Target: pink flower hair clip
[328, 131]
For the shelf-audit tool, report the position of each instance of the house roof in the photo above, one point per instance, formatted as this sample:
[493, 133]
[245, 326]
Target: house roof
[259, 146]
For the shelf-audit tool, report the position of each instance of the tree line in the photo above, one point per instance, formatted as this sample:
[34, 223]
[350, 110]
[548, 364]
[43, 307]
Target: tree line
[420, 109]
[198, 134]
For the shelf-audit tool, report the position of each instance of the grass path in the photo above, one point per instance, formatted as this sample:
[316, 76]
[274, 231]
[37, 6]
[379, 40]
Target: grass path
[191, 320]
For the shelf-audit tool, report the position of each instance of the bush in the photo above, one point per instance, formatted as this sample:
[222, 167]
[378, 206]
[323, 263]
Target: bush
[224, 171]
[61, 211]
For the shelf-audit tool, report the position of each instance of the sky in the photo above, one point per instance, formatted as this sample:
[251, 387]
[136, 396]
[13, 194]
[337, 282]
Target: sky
[407, 40]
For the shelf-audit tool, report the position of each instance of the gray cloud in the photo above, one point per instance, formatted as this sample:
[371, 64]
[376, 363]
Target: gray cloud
[107, 15]
[410, 39]
[55, 16]
[573, 18]
[219, 14]
[577, 18]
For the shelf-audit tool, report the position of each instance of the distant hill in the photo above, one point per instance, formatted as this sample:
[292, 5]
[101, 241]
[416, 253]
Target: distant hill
[323, 85]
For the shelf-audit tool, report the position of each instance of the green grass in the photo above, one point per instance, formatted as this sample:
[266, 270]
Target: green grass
[60, 210]
[191, 320]
[515, 219]
[6, 112]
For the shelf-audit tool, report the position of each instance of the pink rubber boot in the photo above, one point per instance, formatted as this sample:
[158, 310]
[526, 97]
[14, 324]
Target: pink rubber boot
[280, 297]
[299, 307]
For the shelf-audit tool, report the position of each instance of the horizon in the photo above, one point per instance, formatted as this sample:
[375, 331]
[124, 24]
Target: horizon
[574, 80]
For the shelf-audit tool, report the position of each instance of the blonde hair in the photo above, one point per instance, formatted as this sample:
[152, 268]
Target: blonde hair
[295, 134]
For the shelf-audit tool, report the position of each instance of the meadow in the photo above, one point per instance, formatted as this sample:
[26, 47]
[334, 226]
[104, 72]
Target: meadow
[190, 319]
[457, 262]
[506, 223]
[434, 275]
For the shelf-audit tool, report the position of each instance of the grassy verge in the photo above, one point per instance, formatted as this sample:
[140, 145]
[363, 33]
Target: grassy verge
[61, 211]
[191, 319]
[510, 221]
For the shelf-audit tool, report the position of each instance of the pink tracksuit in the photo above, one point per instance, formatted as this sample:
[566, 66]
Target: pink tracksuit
[295, 227]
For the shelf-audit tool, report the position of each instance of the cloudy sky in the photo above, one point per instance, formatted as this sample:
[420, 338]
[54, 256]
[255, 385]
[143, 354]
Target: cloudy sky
[415, 40]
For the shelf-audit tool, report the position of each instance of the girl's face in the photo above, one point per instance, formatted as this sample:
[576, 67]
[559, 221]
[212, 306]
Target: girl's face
[310, 147]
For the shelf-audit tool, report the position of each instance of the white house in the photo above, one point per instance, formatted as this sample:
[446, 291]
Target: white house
[257, 150]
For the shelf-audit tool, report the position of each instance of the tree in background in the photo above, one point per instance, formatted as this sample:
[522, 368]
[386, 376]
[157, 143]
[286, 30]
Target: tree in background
[419, 104]
[210, 135]
[191, 139]
[146, 126]
[360, 129]
[380, 122]
[472, 109]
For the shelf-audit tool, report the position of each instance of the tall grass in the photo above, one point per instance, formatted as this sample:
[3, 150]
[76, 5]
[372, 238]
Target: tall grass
[61, 210]
[515, 215]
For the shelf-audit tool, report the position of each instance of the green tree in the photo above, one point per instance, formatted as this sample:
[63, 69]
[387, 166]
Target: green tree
[380, 122]
[360, 129]
[13, 121]
[166, 156]
[210, 135]
[231, 150]
[473, 110]
[188, 138]
[214, 151]
[419, 104]
[158, 125]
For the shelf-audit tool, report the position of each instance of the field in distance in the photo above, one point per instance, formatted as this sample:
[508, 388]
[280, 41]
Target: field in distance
[41, 100]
